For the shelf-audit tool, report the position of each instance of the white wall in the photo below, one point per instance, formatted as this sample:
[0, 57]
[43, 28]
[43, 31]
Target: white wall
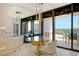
[8, 17]
[5, 20]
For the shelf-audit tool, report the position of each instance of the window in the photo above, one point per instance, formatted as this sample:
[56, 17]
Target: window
[76, 30]
[63, 30]
[36, 26]
[29, 26]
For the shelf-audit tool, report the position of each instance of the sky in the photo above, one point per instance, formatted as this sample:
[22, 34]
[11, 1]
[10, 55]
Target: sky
[65, 22]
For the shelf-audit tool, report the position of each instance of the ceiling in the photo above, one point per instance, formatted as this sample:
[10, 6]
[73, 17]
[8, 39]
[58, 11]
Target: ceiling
[44, 6]
[31, 7]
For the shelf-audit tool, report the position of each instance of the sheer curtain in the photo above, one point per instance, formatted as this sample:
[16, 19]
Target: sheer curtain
[48, 28]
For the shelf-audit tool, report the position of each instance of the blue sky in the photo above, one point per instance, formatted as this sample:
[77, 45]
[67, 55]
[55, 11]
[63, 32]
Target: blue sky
[65, 22]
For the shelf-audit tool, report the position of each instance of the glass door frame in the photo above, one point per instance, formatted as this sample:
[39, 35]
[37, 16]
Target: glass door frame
[53, 29]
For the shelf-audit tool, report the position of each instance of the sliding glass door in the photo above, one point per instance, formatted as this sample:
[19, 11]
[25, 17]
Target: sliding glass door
[36, 26]
[76, 30]
[63, 30]
[29, 26]
[36, 30]
[23, 28]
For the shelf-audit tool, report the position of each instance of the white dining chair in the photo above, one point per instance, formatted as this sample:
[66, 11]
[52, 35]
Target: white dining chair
[50, 49]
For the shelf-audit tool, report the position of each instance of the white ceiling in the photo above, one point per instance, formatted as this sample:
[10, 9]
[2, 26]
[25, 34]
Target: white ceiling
[31, 7]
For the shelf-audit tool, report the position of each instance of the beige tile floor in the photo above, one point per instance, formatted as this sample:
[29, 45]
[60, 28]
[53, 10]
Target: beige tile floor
[25, 50]
[29, 50]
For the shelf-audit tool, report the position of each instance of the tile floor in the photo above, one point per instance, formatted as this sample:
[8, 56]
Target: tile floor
[29, 50]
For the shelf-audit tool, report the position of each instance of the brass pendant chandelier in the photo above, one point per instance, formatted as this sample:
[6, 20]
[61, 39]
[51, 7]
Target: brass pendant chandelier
[40, 42]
